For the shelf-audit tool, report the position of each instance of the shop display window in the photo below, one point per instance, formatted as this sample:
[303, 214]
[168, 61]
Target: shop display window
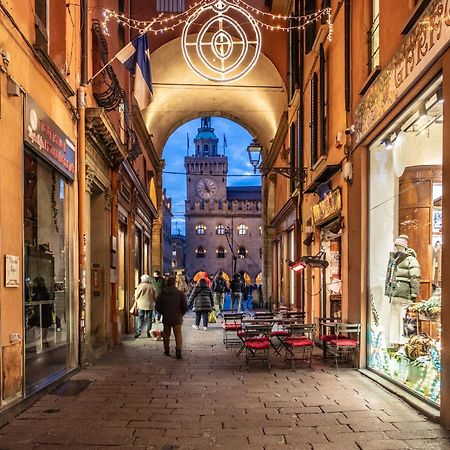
[49, 342]
[405, 242]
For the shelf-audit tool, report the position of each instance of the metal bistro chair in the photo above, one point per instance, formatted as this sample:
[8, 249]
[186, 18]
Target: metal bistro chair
[327, 331]
[262, 319]
[257, 343]
[346, 343]
[279, 334]
[231, 325]
[296, 316]
[299, 345]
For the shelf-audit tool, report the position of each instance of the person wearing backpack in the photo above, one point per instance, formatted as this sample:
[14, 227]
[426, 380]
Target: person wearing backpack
[219, 288]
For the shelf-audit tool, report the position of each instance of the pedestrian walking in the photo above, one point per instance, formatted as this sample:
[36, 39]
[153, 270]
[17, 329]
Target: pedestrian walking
[172, 305]
[219, 288]
[144, 296]
[202, 299]
[158, 284]
[180, 283]
[237, 286]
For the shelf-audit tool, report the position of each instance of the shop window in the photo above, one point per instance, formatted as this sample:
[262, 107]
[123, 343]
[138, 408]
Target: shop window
[200, 252]
[200, 229]
[220, 252]
[48, 282]
[374, 36]
[242, 252]
[405, 247]
[242, 229]
[220, 229]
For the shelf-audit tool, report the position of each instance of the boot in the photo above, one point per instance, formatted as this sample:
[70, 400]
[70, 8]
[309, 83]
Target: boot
[178, 352]
[166, 353]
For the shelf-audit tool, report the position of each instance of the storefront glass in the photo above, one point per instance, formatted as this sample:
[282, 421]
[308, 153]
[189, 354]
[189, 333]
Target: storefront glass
[405, 220]
[49, 340]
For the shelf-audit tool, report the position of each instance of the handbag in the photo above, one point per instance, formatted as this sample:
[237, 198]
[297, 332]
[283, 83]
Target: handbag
[134, 309]
[212, 317]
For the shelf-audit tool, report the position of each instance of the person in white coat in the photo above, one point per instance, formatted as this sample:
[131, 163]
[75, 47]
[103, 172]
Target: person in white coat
[144, 297]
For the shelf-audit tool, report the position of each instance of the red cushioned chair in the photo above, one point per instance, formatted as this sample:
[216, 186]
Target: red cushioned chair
[232, 323]
[299, 345]
[327, 332]
[346, 344]
[257, 343]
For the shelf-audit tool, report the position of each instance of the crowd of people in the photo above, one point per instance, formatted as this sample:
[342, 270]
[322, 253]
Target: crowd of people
[167, 299]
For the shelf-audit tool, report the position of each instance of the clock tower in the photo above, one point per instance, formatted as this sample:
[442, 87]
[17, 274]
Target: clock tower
[206, 170]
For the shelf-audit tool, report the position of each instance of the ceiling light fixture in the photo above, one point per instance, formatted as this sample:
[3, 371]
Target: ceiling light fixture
[388, 143]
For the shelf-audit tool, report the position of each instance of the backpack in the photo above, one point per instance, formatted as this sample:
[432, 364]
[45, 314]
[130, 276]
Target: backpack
[220, 285]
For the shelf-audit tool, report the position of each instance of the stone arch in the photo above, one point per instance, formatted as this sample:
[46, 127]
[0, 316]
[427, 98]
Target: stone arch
[256, 102]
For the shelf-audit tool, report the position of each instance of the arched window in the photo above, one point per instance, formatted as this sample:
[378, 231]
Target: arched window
[200, 251]
[200, 229]
[221, 252]
[206, 150]
[220, 229]
[242, 253]
[242, 229]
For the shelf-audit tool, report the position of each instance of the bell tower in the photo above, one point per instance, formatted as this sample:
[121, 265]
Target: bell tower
[206, 170]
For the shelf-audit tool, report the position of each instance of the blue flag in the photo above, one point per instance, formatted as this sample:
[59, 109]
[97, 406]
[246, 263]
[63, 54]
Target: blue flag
[135, 56]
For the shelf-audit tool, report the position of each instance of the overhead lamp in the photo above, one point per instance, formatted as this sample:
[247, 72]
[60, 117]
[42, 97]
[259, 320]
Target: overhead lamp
[388, 143]
[297, 266]
[423, 110]
[439, 95]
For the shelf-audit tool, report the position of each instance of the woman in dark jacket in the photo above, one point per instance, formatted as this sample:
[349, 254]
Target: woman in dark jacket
[202, 299]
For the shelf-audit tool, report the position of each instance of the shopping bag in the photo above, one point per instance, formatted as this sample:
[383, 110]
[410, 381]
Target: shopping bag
[212, 317]
[134, 309]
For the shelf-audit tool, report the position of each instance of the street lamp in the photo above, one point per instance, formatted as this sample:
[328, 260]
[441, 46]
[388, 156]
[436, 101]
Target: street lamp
[254, 155]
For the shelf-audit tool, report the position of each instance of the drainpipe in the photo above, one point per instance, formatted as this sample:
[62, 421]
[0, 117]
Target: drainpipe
[81, 166]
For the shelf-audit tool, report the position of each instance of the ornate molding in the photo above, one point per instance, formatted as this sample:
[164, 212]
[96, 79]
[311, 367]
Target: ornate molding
[90, 177]
[422, 46]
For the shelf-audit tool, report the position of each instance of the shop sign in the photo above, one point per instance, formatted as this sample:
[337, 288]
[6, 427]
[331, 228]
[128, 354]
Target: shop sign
[328, 208]
[48, 139]
[421, 47]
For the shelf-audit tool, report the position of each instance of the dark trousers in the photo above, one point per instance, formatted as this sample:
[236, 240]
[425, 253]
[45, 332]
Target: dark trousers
[203, 315]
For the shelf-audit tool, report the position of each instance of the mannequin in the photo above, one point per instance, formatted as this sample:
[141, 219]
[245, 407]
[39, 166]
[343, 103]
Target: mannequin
[402, 286]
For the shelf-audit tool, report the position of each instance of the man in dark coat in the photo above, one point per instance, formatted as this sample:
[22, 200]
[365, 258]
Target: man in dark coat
[172, 304]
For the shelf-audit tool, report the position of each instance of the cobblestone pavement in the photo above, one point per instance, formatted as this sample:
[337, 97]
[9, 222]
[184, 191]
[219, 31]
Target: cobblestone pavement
[140, 398]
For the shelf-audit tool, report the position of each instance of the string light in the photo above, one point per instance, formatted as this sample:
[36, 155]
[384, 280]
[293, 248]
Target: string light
[158, 23]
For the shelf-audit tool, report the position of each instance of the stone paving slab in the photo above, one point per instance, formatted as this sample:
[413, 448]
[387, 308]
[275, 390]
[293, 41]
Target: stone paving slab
[139, 398]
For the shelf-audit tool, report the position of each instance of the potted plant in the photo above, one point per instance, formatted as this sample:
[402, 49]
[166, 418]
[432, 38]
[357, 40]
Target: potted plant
[428, 309]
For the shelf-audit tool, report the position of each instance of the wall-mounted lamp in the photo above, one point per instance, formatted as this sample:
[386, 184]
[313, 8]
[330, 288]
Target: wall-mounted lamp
[254, 154]
[317, 262]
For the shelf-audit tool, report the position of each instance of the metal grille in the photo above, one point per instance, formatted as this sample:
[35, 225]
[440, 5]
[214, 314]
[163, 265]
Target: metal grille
[170, 6]
[72, 388]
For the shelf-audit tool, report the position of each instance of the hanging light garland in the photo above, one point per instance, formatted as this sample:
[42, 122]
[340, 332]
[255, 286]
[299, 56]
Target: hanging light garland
[221, 39]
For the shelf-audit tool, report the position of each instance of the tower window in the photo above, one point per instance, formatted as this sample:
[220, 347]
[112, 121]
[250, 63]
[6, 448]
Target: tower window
[220, 229]
[200, 229]
[221, 252]
[242, 253]
[200, 251]
[242, 229]
[206, 150]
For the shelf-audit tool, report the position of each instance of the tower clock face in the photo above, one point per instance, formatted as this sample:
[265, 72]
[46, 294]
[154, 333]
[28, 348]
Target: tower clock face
[206, 188]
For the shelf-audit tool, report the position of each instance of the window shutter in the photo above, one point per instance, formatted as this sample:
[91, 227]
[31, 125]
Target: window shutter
[314, 119]
[292, 143]
[322, 101]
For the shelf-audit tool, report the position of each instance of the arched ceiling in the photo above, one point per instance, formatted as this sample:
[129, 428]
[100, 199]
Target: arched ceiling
[257, 101]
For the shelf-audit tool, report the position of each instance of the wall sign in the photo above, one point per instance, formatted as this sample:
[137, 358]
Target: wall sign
[12, 271]
[328, 208]
[48, 139]
[424, 43]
